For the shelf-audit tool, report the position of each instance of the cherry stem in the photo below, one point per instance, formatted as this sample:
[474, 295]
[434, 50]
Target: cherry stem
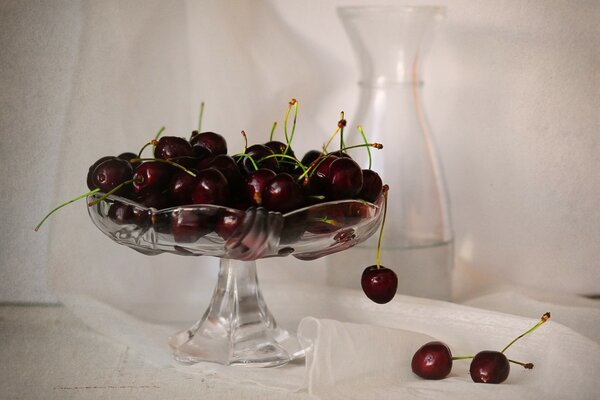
[113, 190]
[524, 365]
[245, 141]
[543, 319]
[296, 161]
[362, 133]
[160, 131]
[37, 227]
[136, 160]
[200, 114]
[462, 358]
[341, 125]
[249, 157]
[320, 159]
[153, 142]
[385, 201]
[272, 131]
[289, 139]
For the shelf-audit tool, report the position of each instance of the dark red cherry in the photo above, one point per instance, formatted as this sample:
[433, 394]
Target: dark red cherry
[432, 361]
[211, 188]
[122, 214]
[372, 186]
[320, 178]
[169, 147]
[111, 173]
[212, 141]
[256, 183]
[379, 284]
[285, 164]
[279, 148]
[282, 194]
[127, 156]
[90, 182]
[340, 153]
[226, 165]
[189, 225]
[180, 187]
[258, 152]
[228, 222]
[489, 367]
[345, 179]
[152, 176]
[309, 157]
[153, 198]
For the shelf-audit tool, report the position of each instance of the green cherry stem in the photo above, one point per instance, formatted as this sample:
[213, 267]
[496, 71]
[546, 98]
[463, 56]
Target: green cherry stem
[115, 189]
[272, 131]
[296, 161]
[200, 114]
[37, 227]
[342, 125]
[160, 132]
[522, 364]
[181, 167]
[250, 158]
[245, 141]
[543, 319]
[362, 133]
[288, 140]
[153, 142]
[386, 188]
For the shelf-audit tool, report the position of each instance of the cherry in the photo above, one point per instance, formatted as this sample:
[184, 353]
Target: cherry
[432, 361]
[282, 193]
[169, 147]
[258, 152]
[345, 179]
[227, 223]
[489, 367]
[153, 198]
[372, 186]
[212, 141]
[152, 176]
[180, 188]
[320, 176]
[285, 164]
[211, 188]
[226, 165]
[111, 173]
[122, 214]
[127, 156]
[189, 225]
[256, 183]
[310, 156]
[90, 182]
[379, 283]
[280, 147]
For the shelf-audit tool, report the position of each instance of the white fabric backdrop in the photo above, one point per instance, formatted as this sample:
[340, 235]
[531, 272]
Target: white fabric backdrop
[511, 91]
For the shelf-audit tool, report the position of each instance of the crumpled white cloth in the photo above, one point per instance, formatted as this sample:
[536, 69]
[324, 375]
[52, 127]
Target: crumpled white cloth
[368, 355]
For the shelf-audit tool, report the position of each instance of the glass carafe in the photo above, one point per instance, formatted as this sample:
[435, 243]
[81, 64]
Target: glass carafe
[390, 43]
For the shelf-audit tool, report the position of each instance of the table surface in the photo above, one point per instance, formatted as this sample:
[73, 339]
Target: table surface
[47, 353]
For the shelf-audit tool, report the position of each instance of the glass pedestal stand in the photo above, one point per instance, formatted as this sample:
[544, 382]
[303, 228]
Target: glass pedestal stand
[237, 328]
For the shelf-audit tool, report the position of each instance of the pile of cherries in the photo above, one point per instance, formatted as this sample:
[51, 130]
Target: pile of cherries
[434, 361]
[269, 175]
[200, 171]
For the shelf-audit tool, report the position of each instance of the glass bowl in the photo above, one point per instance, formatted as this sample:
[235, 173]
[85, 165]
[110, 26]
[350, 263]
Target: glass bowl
[237, 328]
